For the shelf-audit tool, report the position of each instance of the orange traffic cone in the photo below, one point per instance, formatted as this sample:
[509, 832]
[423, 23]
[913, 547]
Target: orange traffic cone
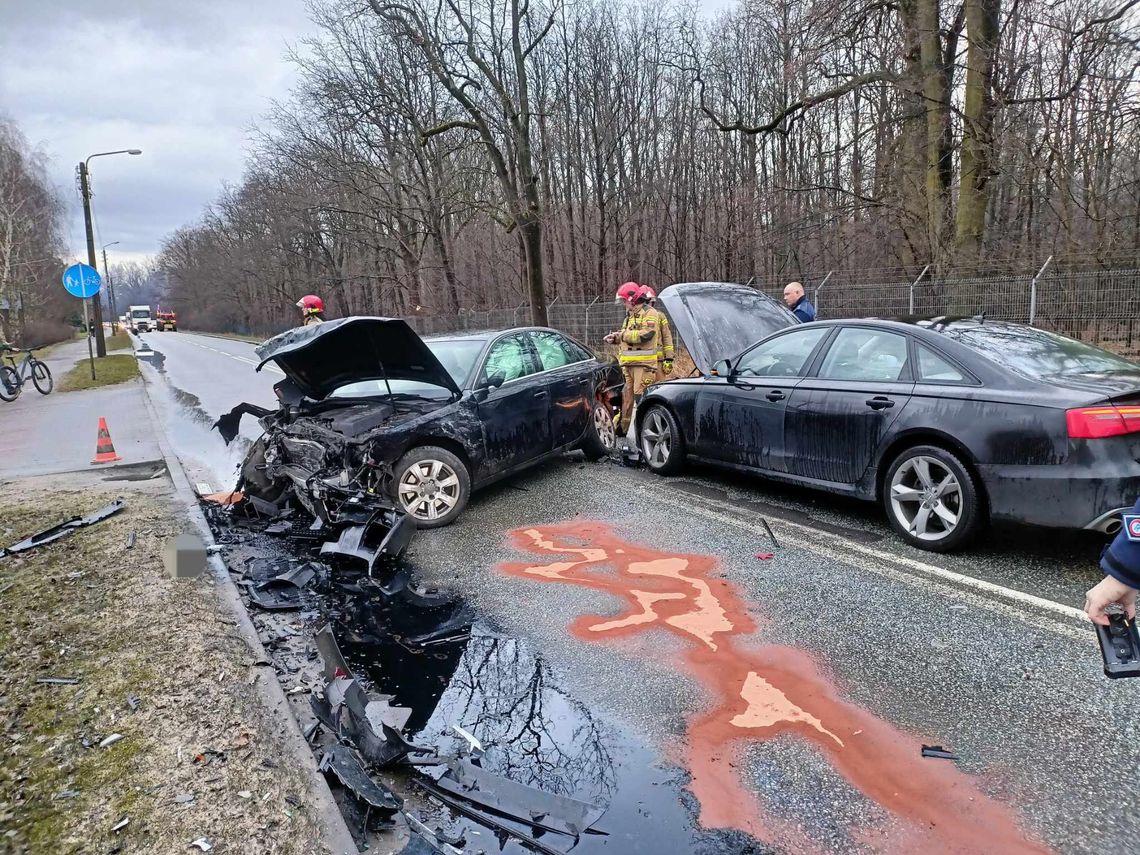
[104, 448]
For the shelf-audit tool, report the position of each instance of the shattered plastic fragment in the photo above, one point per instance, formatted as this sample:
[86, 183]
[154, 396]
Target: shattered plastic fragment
[345, 766]
[63, 529]
[121, 824]
[226, 500]
[765, 556]
[202, 843]
[938, 752]
[110, 740]
[58, 681]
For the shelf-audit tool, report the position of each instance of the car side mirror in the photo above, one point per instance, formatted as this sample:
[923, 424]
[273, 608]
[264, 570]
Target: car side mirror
[723, 368]
[495, 381]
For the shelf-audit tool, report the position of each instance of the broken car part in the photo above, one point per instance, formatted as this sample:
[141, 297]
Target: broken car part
[502, 826]
[284, 591]
[524, 804]
[342, 763]
[1119, 646]
[939, 752]
[387, 533]
[63, 529]
[58, 681]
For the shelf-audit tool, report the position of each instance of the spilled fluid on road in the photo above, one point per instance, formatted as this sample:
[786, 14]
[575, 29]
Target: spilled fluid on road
[761, 693]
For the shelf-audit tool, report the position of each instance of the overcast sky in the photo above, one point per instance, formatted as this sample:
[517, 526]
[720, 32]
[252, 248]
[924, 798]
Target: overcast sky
[181, 79]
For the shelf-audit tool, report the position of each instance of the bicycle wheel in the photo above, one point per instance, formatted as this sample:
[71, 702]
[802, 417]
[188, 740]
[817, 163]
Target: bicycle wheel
[41, 377]
[9, 384]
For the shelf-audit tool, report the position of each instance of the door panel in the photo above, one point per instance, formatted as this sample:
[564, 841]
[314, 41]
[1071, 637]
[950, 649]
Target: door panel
[516, 416]
[837, 419]
[741, 420]
[570, 381]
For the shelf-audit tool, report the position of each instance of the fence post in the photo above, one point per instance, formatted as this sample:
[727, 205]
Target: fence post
[910, 310]
[1033, 291]
[818, 288]
[586, 329]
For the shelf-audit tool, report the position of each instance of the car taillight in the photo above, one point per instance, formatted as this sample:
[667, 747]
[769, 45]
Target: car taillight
[1099, 422]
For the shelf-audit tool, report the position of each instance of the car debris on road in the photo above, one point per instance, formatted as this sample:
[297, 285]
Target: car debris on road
[63, 529]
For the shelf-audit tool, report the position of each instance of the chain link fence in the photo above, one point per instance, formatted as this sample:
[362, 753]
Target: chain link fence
[1101, 307]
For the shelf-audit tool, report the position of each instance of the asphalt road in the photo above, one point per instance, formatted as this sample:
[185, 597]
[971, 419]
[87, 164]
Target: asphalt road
[793, 694]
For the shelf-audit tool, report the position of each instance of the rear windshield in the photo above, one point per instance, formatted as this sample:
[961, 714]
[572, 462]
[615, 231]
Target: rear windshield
[456, 355]
[1038, 353]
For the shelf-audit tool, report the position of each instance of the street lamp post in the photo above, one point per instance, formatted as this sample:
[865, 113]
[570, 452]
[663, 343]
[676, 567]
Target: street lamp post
[110, 288]
[85, 189]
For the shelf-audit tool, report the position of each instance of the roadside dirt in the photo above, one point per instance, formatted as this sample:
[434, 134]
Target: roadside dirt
[197, 756]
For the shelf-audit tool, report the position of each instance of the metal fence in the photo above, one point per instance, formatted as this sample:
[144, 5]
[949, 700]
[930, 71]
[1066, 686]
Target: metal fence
[1101, 307]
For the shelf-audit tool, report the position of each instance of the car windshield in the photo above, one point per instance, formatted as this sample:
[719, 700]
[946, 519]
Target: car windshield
[456, 355]
[1037, 353]
[140, 313]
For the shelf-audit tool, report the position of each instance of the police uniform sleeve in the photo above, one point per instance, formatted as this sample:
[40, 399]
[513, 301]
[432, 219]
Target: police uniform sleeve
[1121, 559]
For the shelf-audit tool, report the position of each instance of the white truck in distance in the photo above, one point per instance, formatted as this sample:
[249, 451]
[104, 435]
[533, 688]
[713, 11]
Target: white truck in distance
[139, 319]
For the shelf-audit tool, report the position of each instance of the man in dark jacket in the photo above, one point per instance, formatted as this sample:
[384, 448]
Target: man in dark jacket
[798, 302]
[1121, 565]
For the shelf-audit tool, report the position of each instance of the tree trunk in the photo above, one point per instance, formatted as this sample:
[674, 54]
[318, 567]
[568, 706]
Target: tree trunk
[977, 123]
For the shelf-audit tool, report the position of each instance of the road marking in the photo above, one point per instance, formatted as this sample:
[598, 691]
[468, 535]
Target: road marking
[934, 578]
[270, 368]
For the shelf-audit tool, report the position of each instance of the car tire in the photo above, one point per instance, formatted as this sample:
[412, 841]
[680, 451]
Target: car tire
[932, 499]
[254, 481]
[661, 444]
[432, 486]
[601, 436]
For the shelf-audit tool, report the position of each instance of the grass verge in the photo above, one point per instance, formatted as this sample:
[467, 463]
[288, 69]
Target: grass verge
[109, 370]
[122, 341]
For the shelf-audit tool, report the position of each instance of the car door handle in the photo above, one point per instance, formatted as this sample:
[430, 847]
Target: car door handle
[775, 395]
[540, 394]
[880, 403]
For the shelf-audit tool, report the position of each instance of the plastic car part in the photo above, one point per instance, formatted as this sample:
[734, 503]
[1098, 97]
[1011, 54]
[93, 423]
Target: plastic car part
[63, 529]
[228, 424]
[1120, 646]
[343, 764]
[283, 592]
[524, 804]
[386, 534]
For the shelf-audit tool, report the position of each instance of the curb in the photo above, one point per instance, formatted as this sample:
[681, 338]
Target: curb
[335, 833]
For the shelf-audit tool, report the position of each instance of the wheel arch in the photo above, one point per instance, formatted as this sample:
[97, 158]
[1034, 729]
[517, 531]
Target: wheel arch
[444, 442]
[929, 436]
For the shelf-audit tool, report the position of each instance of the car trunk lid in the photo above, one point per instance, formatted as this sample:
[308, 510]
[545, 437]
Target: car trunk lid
[321, 358]
[718, 320]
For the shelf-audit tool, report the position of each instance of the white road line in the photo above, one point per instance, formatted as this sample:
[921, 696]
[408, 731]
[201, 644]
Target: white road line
[1010, 602]
[270, 368]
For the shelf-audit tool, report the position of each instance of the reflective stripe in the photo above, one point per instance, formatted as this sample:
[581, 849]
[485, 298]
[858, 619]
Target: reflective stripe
[633, 357]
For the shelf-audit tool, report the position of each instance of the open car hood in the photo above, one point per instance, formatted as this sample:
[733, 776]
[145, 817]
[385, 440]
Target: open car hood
[717, 320]
[321, 358]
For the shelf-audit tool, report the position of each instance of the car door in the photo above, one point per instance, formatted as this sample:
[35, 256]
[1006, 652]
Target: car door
[837, 417]
[740, 419]
[569, 372]
[515, 415]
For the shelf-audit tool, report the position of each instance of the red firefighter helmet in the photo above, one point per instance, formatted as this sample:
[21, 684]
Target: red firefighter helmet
[311, 304]
[647, 294]
[628, 293]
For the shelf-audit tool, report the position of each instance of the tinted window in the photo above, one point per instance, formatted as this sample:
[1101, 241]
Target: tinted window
[555, 350]
[509, 358]
[865, 354]
[932, 368]
[781, 357]
[1037, 353]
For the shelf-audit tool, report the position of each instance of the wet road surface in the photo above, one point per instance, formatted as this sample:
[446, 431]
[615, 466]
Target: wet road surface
[678, 676]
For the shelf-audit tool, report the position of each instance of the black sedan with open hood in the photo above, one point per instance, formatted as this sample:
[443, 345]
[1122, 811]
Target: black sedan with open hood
[947, 422]
[371, 413]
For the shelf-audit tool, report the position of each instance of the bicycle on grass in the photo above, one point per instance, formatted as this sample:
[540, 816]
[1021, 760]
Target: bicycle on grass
[13, 377]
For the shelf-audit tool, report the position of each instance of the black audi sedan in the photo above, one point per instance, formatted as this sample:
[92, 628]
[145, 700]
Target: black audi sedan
[370, 409]
[948, 422]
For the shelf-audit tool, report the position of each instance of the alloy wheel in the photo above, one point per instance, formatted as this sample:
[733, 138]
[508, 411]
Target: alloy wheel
[926, 498]
[429, 489]
[656, 438]
[604, 425]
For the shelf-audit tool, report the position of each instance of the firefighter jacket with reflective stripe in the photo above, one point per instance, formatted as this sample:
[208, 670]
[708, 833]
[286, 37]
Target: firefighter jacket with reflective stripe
[312, 319]
[645, 338]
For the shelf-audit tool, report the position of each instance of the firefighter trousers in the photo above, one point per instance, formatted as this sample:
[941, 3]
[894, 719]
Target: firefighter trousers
[638, 378]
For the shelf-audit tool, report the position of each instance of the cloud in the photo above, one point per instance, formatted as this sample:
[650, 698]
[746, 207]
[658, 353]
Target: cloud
[183, 81]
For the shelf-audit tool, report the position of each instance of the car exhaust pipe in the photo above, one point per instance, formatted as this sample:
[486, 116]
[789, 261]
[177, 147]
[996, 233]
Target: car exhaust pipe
[1112, 526]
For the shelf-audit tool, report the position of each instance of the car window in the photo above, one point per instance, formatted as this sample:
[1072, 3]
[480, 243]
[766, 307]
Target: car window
[932, 368]
[865, 354]
[380, 388]
[555, 350]
[1037, 353]
[509, 358]
[456, 355]
[784, 356]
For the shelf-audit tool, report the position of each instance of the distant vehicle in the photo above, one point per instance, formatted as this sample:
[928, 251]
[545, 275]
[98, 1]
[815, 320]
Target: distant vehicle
[948, 423]
[165, 321]
[139, 319]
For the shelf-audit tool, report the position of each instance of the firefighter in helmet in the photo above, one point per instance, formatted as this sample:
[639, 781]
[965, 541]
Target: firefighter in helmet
[644, 333]
[312, 309]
